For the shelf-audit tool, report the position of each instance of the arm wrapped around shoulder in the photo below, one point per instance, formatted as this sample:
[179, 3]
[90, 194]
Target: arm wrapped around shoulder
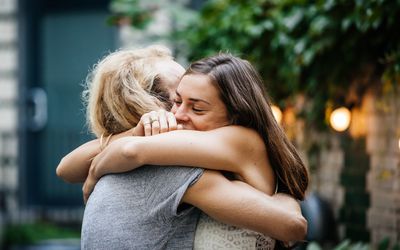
[120, 156]
[237, 203]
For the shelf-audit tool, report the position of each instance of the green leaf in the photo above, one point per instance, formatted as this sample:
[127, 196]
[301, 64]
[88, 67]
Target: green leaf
[292, 20]
[313, 246]
[384, 244]
[343, 246]
[319, 24]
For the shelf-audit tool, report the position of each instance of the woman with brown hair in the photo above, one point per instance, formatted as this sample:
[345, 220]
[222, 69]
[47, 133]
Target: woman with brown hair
[230, 139]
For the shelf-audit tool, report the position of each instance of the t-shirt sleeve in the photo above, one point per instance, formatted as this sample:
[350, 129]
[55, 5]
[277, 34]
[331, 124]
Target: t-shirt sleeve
[191, 176]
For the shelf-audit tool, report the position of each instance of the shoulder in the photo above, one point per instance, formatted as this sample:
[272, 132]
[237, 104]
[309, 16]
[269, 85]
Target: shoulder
[239, 132]
[242, 137]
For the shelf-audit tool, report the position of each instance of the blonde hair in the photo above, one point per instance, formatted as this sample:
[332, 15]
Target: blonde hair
[121, 88]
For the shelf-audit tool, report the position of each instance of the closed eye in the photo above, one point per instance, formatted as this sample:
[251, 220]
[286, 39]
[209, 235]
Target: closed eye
[197, 110]
[177, 102]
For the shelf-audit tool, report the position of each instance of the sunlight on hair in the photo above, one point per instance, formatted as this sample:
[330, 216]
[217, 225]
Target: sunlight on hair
[277, 113]
[340, 119]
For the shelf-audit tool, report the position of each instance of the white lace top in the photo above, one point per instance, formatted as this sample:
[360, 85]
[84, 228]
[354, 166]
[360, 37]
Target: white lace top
[211, 234]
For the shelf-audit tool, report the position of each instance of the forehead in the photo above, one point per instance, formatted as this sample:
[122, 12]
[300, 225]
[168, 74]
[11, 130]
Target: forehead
[197, 86]
[170, 71]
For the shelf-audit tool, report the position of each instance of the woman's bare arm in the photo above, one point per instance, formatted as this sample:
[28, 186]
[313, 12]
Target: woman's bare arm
[239, 204]
[74, 166]
[232, 148]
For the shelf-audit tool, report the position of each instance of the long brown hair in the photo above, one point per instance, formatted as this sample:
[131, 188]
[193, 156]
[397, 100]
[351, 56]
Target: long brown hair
[243, 92]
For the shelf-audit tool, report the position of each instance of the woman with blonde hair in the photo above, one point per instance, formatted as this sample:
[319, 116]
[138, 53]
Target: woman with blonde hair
[155, 199]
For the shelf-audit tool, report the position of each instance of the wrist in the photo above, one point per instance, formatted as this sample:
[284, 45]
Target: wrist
[138, 130]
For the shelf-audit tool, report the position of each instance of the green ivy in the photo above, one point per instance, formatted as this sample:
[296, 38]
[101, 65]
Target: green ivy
[318, 48]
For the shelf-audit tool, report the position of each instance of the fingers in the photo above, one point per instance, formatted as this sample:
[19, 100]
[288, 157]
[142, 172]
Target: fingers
[145, 121]
[90, 181]
[86, 190]
[156, 122]
[162, 119]
[171, 121]
[88, 186]
[84, 193]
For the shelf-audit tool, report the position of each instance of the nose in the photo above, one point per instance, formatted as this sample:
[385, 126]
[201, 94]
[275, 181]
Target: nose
[180, 113]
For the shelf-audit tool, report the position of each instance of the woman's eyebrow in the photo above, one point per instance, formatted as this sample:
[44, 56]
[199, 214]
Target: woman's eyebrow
[193, 99]
[198, 100]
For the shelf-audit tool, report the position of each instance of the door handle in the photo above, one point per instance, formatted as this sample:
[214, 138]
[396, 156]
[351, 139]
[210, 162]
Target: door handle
[37, 109]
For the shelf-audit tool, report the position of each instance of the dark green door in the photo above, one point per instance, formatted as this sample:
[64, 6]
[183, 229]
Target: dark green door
[71, 38]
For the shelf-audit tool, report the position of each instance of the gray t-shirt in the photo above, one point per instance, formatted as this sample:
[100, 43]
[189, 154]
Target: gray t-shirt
[139, 210]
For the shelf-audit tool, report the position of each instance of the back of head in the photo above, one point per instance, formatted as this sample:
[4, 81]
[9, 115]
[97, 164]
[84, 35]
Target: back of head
[243, 93]
[122, 87]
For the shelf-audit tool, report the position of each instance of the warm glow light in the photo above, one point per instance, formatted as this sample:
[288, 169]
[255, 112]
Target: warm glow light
[340, 119]
[277, 113]
[399, 143]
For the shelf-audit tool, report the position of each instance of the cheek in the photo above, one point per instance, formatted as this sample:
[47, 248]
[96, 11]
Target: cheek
[220, 120]
[204, 123]
[200, 123]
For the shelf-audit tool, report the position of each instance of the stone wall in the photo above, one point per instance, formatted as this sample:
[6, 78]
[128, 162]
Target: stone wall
[367, 155]
[8, 107]
[327, 178]
[383, 178]
[352, 216]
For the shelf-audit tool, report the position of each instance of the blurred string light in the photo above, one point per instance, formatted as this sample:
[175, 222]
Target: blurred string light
[277, 113]
[340, 119]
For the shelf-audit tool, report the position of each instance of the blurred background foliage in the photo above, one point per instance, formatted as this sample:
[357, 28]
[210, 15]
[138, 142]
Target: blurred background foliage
[35, 233]
[330, 51]
[131, 11]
